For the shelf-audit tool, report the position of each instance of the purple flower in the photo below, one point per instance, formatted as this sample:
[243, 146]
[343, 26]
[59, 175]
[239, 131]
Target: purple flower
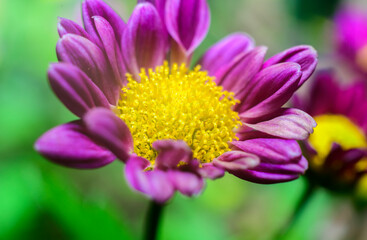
[174, 127]
[337, 149]
[351, 37]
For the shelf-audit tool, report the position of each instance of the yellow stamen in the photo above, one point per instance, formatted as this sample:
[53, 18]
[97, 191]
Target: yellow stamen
[175, 103]
[335, 128]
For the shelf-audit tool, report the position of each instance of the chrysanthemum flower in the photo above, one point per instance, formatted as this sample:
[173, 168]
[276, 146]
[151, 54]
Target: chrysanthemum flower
[138, 100]
[351, 37]
[337, 149]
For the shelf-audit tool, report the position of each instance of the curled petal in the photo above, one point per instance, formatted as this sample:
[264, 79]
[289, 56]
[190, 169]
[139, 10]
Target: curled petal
[111, 47]
[208, 170]
[271, 150]
[155, 183]
[171, 153]
[269, 90]
[66, 26]
[90, 59]
[110, 131]
[225, 51]
[236, 160]
[264, 177]
[305, 56]
[187, 22]
[237, 74]
[289, 123]
[280, 160]
[186, 183]
[143, 44]
[92, 8]
[69, 145]
[75, 90]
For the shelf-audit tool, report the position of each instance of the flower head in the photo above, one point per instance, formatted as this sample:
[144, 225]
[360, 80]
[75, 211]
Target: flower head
[138, 101]
[337, 149]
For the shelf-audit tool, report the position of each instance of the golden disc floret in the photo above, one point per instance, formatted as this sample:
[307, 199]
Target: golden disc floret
[179, 104]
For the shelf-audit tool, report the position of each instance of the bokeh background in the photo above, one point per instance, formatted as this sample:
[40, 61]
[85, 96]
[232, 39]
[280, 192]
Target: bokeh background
[40, 200]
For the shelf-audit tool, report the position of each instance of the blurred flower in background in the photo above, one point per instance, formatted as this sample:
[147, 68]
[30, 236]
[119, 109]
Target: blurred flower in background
[351, 37]
[337, 150]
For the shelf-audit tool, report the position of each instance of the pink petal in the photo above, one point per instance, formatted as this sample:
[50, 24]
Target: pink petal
[143, 43]
[73, 87]
[69, 145]
[225, 51]
[110, 131]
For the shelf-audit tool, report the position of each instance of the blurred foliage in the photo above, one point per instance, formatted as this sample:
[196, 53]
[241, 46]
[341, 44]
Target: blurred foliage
[40, 200]
[305, 10]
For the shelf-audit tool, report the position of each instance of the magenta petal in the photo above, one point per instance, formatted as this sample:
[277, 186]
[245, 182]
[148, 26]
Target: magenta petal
[69, 145]
[305, 56]
[75, 90]
[208, 170]
[237, 74]
[171, 153]
[143, 43]
[187, 22]
[155, 183]
[268, 173]
[271, 150]
[110, 131]
[186, 183]
[90, 59]
[66, 26]
[269, 90]
[92, 8]
[289, 123]
[225, 51]
[111, 47]
[264, 177]
[236, 160]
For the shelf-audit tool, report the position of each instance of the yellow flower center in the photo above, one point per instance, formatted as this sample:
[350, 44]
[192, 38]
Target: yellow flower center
[334, 128]
[175, 103]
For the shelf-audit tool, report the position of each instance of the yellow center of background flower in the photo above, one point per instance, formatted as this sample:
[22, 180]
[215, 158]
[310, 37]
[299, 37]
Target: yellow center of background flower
[175, 103]
[334, 128]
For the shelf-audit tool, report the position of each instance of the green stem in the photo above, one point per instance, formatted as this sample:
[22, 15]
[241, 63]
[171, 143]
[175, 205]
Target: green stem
[301, 205]
[153, 220]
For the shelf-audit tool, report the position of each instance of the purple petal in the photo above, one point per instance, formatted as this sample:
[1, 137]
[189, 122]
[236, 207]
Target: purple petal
[271, 150]
[236, 160]
[225, 51]
[208, 170]
[236, 75]
[111, 47]
[305, 56]
[91, 8]
[289, 123]
[110, 131]
[187, 183]
[264, 177]
[75, 90]
[143, 43]
[66, 26]
[155, 183]
[187, 22]
[171, 153]
[269, 90]
[90, 59]
[70, 146]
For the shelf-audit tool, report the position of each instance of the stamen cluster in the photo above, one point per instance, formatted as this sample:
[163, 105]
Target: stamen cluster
[175, 103]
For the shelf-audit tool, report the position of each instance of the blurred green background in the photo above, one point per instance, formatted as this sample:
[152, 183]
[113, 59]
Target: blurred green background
[40, 200]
